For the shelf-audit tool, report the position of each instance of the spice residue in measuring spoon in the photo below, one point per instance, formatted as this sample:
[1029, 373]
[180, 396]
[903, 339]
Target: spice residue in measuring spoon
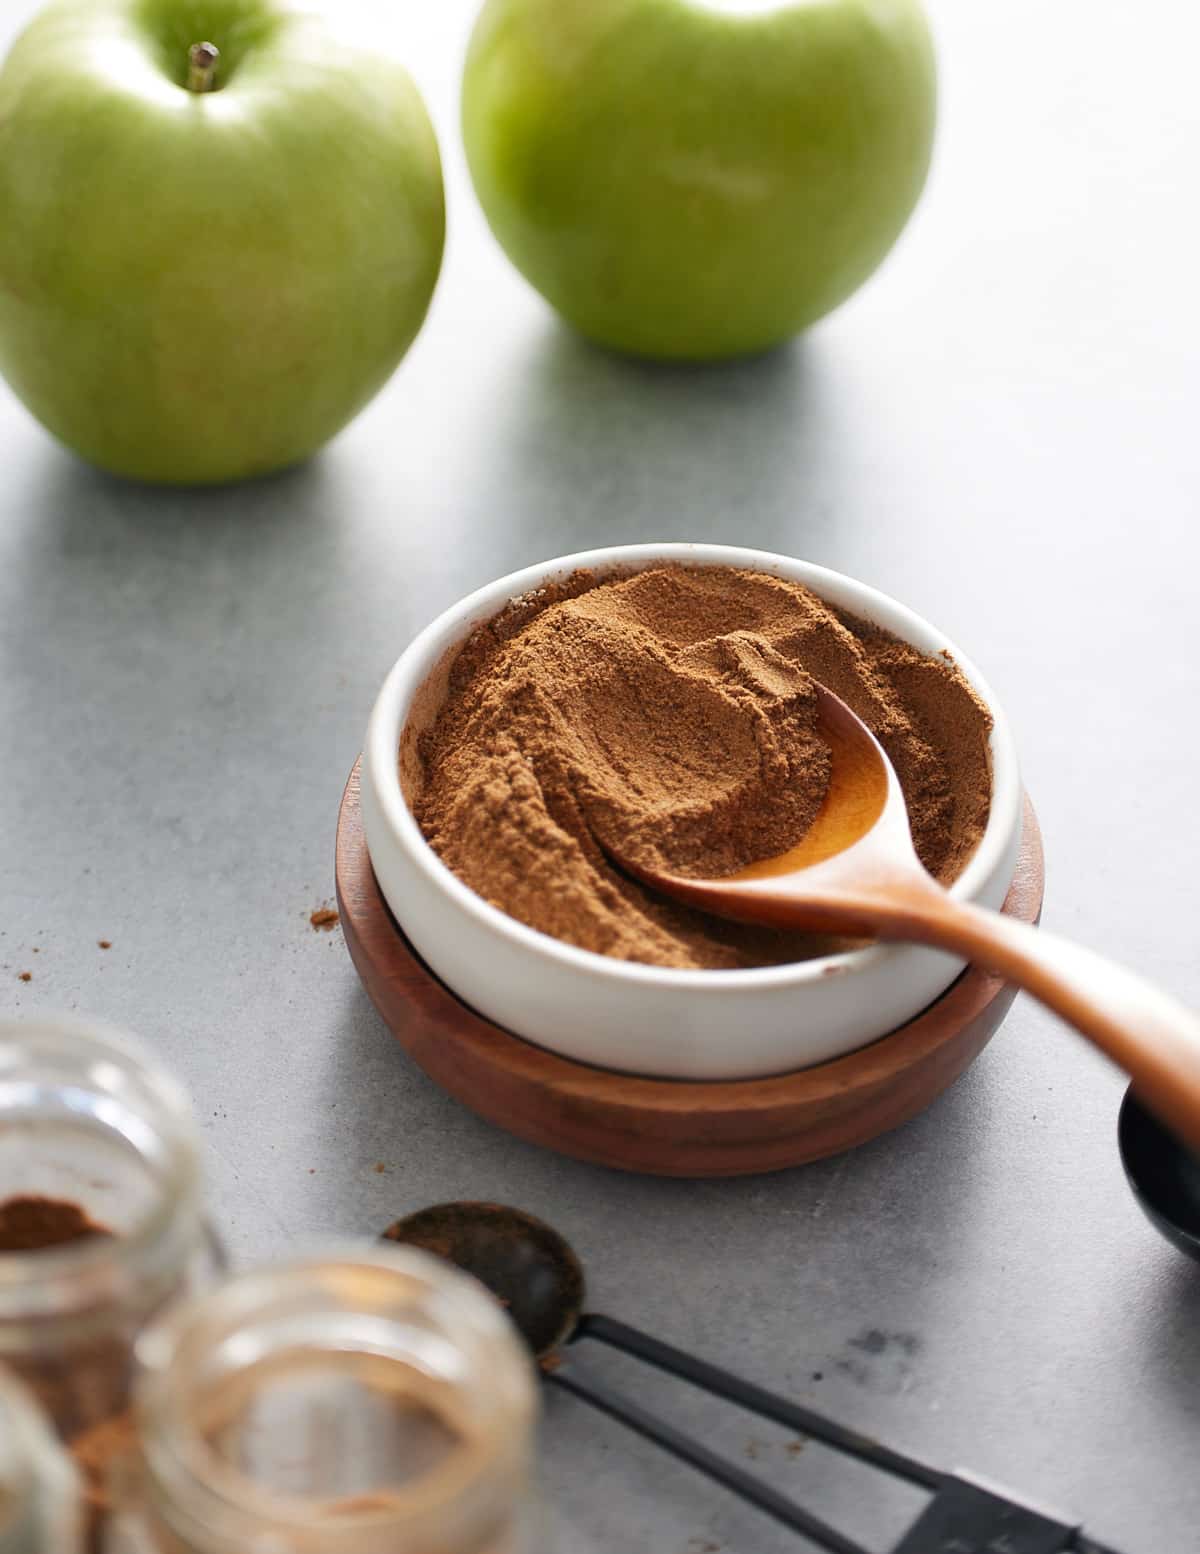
[671, 715]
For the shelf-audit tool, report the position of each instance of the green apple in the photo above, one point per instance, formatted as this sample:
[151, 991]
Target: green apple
[698, 179]
[210, 257]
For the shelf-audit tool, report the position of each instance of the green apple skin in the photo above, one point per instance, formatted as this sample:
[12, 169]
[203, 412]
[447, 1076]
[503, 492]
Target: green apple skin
[686, 182]
[202, 287]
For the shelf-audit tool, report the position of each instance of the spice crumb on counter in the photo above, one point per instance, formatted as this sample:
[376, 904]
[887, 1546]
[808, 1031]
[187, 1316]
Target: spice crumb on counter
[25, 976]
[324, 919]
[105, 944]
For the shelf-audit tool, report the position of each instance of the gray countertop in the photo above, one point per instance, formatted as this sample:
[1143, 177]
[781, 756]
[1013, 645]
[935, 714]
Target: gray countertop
[1001, 431]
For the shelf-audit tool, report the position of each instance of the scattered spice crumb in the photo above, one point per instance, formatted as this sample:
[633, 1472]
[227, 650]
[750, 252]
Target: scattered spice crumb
[380, 1168]
[36, 951]
[25, 976]
[324, 919]
[105, 944]
[818, 1375]
[794, 1448]
[312, 1170]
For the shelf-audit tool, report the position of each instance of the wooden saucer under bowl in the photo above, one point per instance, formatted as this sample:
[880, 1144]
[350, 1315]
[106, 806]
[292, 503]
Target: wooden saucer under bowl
[667, 1127]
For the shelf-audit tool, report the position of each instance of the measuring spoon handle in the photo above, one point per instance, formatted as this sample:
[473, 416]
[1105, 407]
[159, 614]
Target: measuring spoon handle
[757, 1400]
[691, 1451]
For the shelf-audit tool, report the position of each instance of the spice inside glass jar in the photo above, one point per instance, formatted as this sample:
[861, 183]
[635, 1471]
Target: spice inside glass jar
[40, 1506]
[100, 1214]
[366, 1402]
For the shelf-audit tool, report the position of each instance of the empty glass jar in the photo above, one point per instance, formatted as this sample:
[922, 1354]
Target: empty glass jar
[363, 1402]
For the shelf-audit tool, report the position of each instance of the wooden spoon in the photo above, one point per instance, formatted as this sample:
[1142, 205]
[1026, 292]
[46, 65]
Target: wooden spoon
[855, 871]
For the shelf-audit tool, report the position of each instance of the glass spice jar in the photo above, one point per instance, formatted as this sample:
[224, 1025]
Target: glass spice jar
[100, 1213]
[369, 1401]
[40, 1507]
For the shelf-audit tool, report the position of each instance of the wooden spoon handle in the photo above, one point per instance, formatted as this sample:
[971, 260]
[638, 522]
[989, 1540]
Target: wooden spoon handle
[1152, 1036]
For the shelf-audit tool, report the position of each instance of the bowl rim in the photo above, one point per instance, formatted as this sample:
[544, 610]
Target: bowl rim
[385, 727]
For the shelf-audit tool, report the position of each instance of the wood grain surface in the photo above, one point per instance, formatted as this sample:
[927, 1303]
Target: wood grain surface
[666, 1127]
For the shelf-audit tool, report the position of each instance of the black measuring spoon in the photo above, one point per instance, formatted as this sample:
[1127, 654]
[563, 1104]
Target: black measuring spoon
[535, 1274]
[1163, 1174]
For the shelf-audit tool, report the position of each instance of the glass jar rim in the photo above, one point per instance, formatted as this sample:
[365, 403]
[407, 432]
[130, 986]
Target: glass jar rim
[33, 1464]
[203, 1497]
[16, 1471]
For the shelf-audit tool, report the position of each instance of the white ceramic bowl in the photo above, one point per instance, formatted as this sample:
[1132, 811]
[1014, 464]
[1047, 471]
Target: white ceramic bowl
[649, 1019]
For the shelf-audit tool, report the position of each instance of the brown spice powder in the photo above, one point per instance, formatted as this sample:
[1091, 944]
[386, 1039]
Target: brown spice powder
[31, 1223]
[671, 714]
[72, 1387]
[78, 1386]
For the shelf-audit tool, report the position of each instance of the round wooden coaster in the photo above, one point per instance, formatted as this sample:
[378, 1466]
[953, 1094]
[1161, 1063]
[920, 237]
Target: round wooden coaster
[661, 1126]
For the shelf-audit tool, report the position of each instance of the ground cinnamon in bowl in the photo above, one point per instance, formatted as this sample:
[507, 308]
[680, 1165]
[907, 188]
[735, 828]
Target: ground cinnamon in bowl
[671, 714]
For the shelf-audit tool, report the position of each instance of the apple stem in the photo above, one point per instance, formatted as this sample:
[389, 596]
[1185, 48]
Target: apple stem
[202, 67]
